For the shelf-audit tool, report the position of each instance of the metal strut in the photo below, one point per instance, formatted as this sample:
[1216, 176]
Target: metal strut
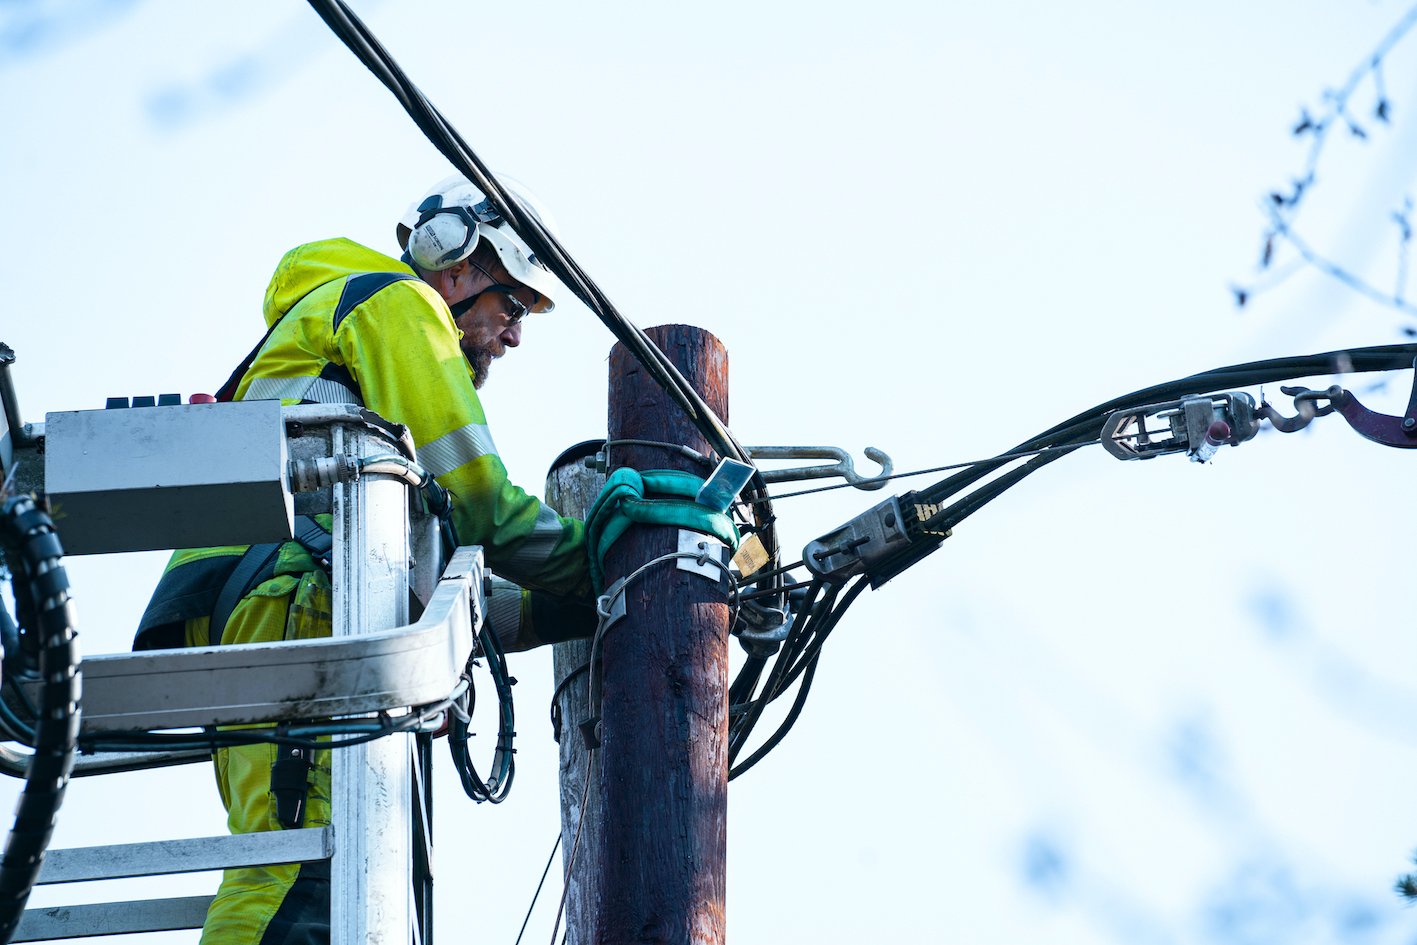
[1399, 432]
[843, 467]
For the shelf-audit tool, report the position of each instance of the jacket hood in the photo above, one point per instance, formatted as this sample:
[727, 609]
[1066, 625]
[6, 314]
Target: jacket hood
[305, 268]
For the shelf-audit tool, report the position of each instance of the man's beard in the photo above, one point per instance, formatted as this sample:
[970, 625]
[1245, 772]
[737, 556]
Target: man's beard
[481, 358]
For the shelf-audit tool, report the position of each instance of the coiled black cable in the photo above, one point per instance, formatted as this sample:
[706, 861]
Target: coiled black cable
[494, 789]
[47, 642]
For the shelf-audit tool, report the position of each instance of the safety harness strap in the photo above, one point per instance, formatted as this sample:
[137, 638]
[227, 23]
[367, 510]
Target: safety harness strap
[258, 566]
[247, 574]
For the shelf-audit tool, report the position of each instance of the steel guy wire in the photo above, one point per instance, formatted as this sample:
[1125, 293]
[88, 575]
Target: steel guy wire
[996, 460]
[575, 843]
[542, 882]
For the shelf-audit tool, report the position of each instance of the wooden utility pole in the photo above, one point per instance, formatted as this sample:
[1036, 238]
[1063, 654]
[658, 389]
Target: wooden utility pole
[660, 789]
[571, 488]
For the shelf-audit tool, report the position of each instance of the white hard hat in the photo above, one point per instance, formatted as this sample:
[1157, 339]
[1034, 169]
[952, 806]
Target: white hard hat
[443, 227]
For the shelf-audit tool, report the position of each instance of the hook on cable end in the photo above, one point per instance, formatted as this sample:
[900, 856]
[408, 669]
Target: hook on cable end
[843, 467]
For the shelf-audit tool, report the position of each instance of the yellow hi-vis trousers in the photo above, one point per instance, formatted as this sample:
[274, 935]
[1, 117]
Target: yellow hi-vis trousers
[271, 905]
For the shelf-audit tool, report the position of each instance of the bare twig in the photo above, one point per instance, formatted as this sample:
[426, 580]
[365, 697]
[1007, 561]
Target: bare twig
[1280, 228]
[1282, 205]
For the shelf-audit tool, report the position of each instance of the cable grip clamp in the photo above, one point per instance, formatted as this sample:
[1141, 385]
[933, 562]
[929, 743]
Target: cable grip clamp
[860, 544]
[1197, 425]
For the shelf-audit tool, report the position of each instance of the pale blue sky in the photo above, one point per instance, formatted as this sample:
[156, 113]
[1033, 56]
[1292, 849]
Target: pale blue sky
[1142, 703]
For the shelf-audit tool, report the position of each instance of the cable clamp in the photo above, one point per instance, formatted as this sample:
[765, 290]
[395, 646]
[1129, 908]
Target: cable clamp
[1197, 425]
[859, 545]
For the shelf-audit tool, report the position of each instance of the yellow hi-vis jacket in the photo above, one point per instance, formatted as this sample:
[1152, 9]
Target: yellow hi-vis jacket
[351, 325]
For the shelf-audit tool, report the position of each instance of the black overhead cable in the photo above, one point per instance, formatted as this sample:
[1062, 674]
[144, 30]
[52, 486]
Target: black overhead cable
[821, 610]
[800, 652]
[1085, 427]
[348, 27]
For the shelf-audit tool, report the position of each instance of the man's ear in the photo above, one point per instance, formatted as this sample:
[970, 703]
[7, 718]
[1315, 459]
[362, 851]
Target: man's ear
[457, 275]
[450, 283]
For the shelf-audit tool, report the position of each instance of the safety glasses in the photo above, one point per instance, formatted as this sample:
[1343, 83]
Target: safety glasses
[519, 309]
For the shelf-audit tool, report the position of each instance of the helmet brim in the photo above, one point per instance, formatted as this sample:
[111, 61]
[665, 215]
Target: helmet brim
[517, 258]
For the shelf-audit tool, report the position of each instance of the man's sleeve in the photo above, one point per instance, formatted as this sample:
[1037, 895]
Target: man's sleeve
[401, 345]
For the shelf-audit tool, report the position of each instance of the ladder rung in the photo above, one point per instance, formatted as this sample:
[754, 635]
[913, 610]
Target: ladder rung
[112, 918]
[123, 860]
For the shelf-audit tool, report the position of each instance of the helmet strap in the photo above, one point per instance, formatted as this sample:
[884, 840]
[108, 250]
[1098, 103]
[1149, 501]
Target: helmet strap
[459, 309]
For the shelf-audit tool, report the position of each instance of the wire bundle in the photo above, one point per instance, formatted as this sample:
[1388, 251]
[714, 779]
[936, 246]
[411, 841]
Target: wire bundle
[820, 604]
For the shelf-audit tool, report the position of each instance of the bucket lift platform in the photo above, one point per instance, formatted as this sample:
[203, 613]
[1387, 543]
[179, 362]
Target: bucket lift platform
[378, 663]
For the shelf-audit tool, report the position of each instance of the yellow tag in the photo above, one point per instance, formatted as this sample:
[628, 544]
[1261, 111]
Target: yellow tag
[751, 556]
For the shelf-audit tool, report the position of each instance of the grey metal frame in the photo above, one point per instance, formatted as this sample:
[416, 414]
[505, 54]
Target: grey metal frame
[305, 679]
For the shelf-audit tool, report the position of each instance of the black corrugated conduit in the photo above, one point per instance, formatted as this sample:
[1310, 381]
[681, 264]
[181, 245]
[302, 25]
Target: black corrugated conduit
[40, 639]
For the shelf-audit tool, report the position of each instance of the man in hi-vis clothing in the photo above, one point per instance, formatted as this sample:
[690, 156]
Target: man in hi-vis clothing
[410, 339]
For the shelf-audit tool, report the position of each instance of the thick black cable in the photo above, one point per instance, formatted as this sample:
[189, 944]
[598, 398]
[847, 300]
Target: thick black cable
[797, 639]
[741, 690]
[952, 515]
[776, 737]
[45, 622]
[556, 698]
[1087, 425]
[367, 48]
[352, 31]
[801, 653]
[806, 665]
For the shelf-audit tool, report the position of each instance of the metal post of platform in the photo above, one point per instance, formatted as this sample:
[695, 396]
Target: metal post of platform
[371, 872]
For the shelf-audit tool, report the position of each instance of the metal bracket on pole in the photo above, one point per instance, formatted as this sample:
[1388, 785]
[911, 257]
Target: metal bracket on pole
[610, 606]
[843, 467]
[710, 559]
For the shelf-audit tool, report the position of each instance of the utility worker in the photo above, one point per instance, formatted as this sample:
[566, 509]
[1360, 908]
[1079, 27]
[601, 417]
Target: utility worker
[410, 339]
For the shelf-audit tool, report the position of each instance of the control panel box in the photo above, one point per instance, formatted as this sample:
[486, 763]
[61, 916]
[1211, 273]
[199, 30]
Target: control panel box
[186, 476]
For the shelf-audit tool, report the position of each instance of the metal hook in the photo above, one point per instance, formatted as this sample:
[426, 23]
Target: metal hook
[1306, 407]
[843, 466]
